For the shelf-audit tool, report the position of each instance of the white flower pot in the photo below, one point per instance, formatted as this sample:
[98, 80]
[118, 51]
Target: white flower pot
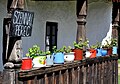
[39, 61]
[69, 57]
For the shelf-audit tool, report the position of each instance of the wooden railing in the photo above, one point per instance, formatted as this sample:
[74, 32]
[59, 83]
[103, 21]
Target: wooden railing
[100, 70]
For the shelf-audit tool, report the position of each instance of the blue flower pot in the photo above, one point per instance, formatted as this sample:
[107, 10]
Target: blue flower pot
[58, 57]
[114, 50]
[104, 52]
[49, 60]
[99, 53]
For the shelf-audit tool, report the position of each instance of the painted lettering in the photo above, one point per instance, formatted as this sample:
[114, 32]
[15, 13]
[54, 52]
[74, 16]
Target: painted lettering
[21, 23]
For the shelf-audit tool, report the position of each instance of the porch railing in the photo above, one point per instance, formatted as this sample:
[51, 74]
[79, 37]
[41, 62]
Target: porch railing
[100, 70]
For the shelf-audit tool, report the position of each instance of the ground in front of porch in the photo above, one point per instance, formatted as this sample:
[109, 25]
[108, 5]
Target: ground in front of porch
[119, 71]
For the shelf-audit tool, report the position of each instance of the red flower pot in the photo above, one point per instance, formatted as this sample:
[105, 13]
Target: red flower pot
[109, 51]
[78, 54]
[26, 64]
[93, 53]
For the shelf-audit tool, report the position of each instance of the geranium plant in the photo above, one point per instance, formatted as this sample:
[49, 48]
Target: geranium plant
[114, 42]
[55, 50]
[67, 49]
[80, 44]
[34, 51]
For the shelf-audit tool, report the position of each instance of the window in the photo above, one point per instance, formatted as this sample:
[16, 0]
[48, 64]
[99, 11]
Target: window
[51, 35]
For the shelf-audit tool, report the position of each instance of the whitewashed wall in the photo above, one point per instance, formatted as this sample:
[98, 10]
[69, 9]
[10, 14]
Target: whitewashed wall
[98, 20]
[3, 13]
[63, 12]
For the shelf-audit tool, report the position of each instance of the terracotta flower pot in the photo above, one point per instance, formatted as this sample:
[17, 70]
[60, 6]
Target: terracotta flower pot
[109, 51]
[93, 53]
[78, 54]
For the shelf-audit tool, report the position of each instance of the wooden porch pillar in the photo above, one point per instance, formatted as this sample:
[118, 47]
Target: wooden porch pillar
[115, 19]
[12, 56]
[116, 22]
[81, 19]
[12, 49]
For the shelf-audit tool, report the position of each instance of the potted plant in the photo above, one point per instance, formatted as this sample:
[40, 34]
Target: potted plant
[98, 46]
[93, 50]
[68, 54]
[34, 51]
[27, 61]
[114, 45]
[78, 48]
[106, 48]
[49, 58]
[58, 55]
[38, 56]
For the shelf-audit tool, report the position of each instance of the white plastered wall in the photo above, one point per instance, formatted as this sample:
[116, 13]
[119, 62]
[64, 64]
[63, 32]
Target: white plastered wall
[63, 12]
[99, 18]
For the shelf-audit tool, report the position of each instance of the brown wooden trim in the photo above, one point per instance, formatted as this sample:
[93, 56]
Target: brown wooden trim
[45, 70]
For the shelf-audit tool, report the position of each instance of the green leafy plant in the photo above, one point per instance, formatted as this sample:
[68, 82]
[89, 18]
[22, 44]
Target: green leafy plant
[107, 45]
[114, 42]
[67, 49]
[97, 45]
[80, 44]
[110, 45]
[94, 46]
[35, 51]
[55, 50]
[48, 53]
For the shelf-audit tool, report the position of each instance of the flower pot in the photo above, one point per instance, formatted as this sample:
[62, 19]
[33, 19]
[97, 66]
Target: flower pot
[109, 51]
[98, 52]
[58, 58]
[93, 53]
[104, 52]
[49, 60]
[68, 57]
[39, 61]
[78, 54]
[26, 64]
[114, 50]
[87, 54]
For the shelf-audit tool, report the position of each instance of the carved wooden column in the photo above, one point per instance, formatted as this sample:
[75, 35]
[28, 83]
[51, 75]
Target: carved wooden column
[12, 46]
[81, 19]
[12, 50]
[116, 22]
